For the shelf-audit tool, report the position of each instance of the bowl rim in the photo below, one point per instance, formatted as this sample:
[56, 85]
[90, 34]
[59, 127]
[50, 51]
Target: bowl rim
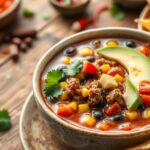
[69, 7]
[10, 9]
[40, 101]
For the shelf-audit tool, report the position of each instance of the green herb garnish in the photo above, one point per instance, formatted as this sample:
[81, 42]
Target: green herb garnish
[5, 122]
[52, 90]
[117, 12]
[28, 12]
[73, 68]
[67, 2]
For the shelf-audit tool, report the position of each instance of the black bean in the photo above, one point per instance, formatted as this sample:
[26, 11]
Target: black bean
[99, 106]
[117, 118]
[141, 106]
[70, 51]
[90, 58]
[88, 76]
[97, 115]
[130, 43]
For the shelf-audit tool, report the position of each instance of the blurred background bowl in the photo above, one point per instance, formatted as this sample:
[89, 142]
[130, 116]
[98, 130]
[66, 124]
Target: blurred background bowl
[132, 4]
[144, 15]
[70, 11]
[9, 15]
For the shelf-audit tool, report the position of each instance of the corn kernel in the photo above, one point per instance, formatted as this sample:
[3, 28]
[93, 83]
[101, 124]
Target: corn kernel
[131, 115]
[83, 108]
[146, 113]
[66, 60]
[73, 106]
[88, 120]
[118, 78]
[86, 51]
[64, 96]
[80, 75]
[112, 43]
[105, 68]
[84, 92]
[63, 84]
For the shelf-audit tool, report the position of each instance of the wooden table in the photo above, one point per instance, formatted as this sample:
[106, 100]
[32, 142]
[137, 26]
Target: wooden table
[16, 79]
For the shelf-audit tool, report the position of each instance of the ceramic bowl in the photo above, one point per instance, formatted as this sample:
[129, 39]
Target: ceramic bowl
[78, 137]
[9, 15]
[132, 4]
[70, 11]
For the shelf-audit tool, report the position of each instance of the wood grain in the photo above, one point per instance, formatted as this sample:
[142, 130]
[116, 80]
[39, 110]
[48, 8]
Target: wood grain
[16, 79]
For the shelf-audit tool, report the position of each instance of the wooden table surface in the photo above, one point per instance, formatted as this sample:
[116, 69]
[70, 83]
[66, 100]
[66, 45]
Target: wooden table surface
[16, 78]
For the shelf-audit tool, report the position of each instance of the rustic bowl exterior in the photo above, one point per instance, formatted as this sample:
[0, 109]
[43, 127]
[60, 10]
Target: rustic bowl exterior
[9, 15]
[131, 4]
[70, 11]
[80, 137]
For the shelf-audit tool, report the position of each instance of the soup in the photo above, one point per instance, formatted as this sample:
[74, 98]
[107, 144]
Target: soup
[102, 84]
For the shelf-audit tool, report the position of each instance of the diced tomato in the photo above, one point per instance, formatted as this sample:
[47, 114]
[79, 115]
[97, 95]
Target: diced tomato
[116, 70]
[113, 109]
[64, 110]
[144, 87]
[144, 50]
[126, 126]
[146, 100]
[90, 68]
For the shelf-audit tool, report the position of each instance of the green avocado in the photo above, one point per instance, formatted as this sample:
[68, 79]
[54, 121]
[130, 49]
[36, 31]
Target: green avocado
[131, 96]
[137, 66]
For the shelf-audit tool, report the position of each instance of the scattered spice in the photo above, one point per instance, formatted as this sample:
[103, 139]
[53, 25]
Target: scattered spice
[117, 12]
[18, 41]
[28, 12]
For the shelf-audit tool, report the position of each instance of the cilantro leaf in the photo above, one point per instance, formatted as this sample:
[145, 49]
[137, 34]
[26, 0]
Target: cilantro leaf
[53, 77]
[73, 68]
[52, 90]
[5, 122]
[117, 12]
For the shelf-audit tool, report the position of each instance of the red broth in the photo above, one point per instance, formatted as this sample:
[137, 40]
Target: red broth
[133, 120]
[4, 5]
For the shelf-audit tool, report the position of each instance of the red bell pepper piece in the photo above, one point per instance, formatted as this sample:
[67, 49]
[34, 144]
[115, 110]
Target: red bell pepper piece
[113, 109]
[64, 111]
[146, 100]
[116, 70]
[144, 51]
[144, 87]
[90, 68]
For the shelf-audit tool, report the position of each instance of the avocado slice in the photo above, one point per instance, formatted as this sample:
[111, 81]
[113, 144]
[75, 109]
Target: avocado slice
[131, 96]
[137, 64]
